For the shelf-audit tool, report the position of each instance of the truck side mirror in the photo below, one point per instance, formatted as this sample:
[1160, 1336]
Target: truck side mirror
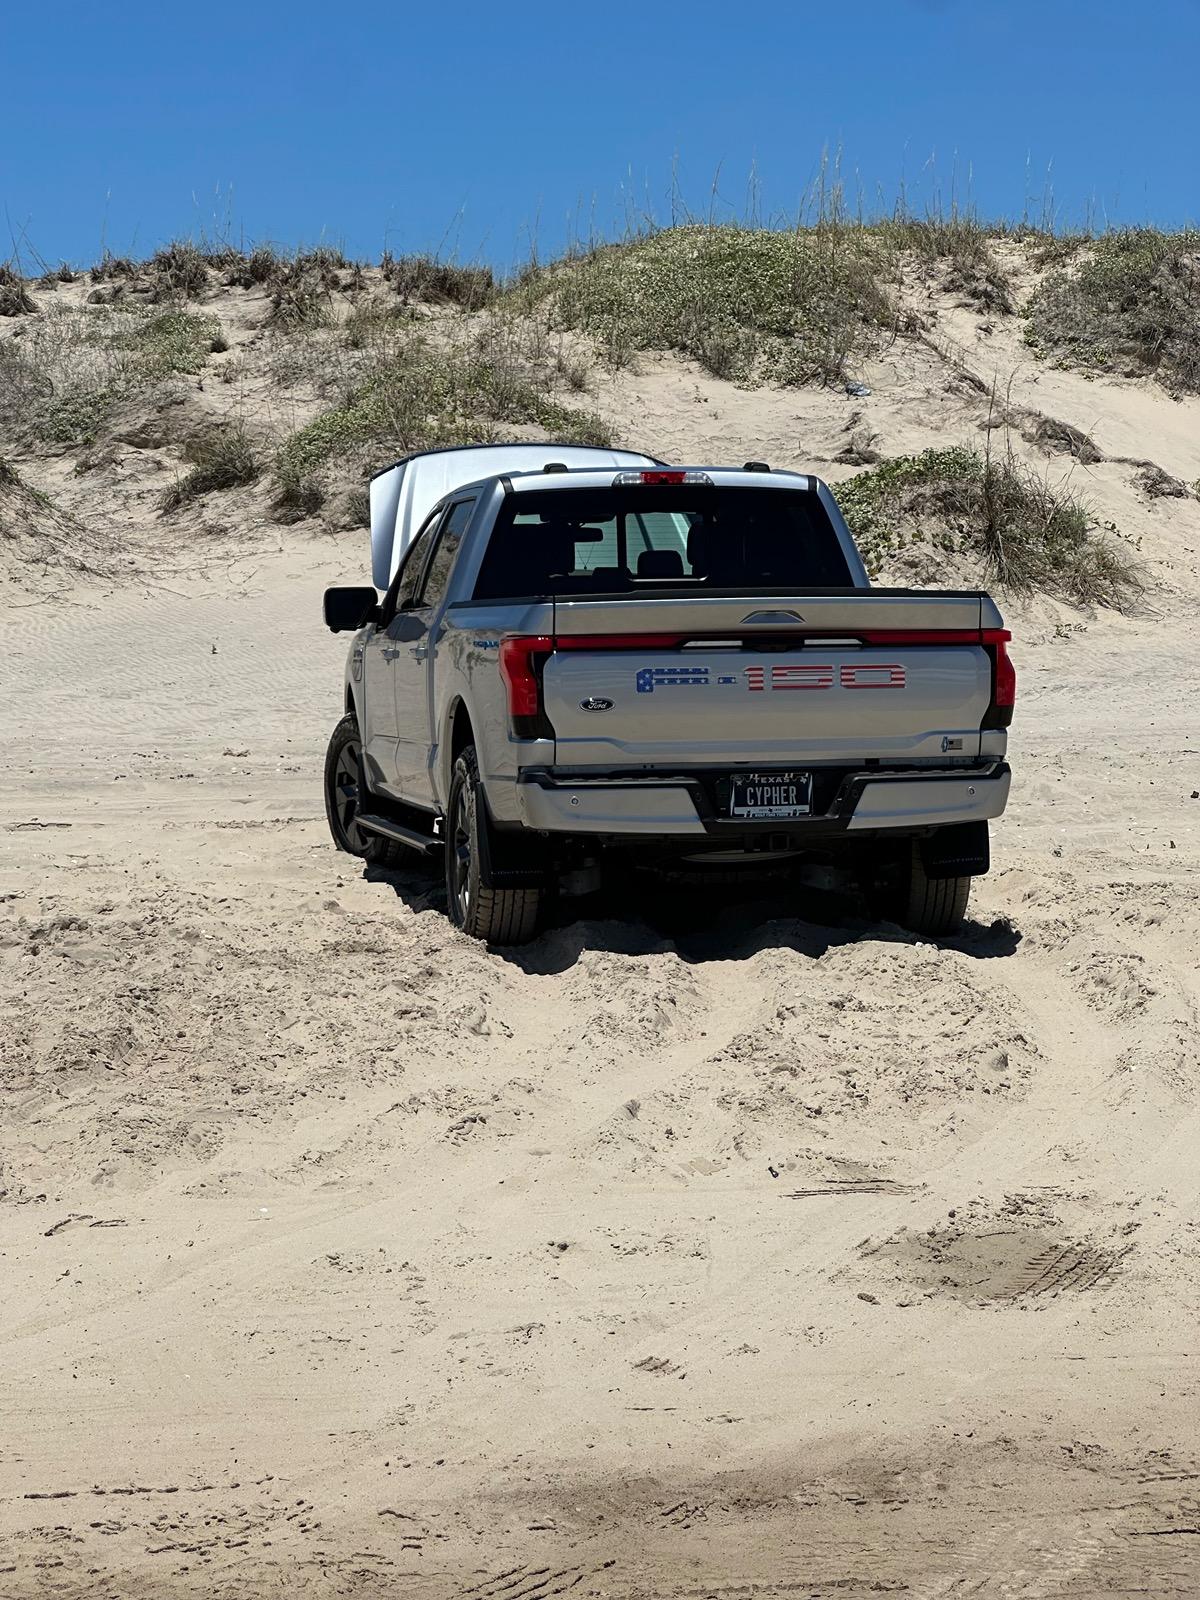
[347, 609]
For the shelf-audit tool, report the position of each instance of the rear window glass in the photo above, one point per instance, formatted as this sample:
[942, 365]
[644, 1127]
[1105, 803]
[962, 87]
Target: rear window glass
[623, 541]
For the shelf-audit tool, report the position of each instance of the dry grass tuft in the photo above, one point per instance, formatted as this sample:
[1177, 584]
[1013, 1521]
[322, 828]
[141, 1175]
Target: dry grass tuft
[15, 299]
[262, 265]
[964, 246]
[179, 272]
[40, 541]
[221, 458]
[1026, 534]
[1131, 305]
[439, 282]
[113, 269]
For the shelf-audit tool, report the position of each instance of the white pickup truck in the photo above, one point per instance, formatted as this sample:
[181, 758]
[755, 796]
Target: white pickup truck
[582, 652]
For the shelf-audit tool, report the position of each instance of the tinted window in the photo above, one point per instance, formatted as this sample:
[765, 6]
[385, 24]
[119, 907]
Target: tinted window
[438, 574]
[623, 541]
[409, 575]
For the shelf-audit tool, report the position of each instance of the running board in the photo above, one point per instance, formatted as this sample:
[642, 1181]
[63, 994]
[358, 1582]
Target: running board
[372, 823]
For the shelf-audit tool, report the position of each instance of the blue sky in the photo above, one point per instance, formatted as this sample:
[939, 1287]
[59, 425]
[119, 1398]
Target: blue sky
[475, 129]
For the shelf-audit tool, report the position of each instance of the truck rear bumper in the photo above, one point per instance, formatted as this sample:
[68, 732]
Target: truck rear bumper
[682, 805]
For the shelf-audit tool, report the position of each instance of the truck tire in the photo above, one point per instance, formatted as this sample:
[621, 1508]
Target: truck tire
[497, 916]
[930, 905]
[343, 779]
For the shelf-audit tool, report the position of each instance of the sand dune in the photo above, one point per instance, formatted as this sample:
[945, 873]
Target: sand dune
[720, 1249]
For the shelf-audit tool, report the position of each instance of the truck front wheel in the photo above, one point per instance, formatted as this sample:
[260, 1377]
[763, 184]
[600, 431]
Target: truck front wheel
[343, 798]
[498, 916]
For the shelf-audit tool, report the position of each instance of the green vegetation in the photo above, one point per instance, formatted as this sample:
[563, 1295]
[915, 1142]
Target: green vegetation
[750, 305]
[63, 380]
[221, 458]
[757, 305]
[1054, 249]
[421, 353]
[416, 397]
[298, 493]
[1132, 305]
[169, 342]
[1025, 533]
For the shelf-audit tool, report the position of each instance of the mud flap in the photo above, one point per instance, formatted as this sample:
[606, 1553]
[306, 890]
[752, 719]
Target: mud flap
[508, 858]
[961, 850]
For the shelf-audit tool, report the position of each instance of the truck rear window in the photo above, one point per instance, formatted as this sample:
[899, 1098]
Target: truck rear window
[626, 540]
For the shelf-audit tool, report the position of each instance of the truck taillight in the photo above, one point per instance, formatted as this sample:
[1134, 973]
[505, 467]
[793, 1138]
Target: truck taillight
[521, 660]
[658, 476]
[523, 657]
[1004, 678]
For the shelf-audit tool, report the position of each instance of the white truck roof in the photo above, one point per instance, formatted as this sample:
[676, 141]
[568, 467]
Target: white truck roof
[403, 495]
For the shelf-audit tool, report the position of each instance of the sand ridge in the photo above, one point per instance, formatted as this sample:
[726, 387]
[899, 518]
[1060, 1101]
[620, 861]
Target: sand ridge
[701, 1248]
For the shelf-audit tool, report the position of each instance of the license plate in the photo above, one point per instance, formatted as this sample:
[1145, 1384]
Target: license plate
[767, 795]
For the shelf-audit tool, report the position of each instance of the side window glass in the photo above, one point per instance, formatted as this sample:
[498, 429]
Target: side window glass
[409, 575]
[437, 575]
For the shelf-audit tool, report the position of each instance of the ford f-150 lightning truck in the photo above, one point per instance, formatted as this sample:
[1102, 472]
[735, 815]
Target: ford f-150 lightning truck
[582, 653]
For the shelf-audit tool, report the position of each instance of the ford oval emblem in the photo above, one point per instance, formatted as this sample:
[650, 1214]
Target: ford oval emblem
[596, 703]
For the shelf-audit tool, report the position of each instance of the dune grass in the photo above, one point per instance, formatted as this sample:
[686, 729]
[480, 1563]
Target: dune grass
[61, 383]
[420, 353]
[1026, 534]
[422, 277]
[412, 395]
[963, 246]
[750, 305]
[15, 299]
[39, 541]
[1130, 304]
[221, 457]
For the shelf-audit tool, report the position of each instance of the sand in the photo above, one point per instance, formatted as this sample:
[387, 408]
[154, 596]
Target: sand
[715, 1248]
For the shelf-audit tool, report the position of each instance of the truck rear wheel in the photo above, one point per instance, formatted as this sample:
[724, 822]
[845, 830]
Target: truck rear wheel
[930, 905]
[343, 798]
[498, 916]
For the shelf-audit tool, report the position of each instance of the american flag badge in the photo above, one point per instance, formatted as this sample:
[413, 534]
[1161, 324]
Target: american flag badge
[651, 678]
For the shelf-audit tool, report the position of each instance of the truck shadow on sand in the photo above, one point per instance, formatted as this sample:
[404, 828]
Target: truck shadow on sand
[639, 915]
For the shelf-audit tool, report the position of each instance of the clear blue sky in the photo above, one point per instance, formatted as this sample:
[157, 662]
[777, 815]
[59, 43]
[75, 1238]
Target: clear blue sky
[471, 127]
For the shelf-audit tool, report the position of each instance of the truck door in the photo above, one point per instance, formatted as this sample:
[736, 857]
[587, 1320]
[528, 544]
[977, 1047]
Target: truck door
[413, 668]
[385, 647]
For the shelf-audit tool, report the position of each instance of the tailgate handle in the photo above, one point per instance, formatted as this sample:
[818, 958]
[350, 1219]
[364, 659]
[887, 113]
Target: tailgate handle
[771, 618]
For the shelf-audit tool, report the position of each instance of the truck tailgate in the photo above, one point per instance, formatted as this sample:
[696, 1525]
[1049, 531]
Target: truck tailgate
[835, 677]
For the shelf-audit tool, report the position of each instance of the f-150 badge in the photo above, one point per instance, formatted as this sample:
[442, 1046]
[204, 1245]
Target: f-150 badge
[804, 675]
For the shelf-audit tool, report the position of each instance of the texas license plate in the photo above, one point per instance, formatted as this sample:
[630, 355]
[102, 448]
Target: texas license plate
[768, 795]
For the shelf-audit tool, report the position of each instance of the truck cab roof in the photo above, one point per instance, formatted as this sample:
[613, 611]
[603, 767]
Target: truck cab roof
[404, 494]
[591, 477]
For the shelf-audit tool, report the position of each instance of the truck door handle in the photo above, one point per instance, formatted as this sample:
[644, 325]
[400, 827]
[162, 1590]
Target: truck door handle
[389, 655]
